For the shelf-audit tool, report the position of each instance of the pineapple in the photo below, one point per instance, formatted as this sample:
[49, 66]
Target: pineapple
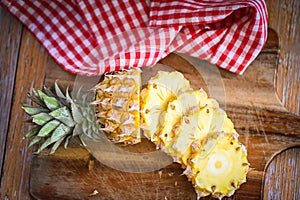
[195, 128]
[184, 123]
[58, 118]
[187, 103]
[117, 105]
[161, 89]
[192, 129]
[219, 167]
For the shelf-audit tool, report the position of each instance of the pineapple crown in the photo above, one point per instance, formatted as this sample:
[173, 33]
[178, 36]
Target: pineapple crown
[58, 118]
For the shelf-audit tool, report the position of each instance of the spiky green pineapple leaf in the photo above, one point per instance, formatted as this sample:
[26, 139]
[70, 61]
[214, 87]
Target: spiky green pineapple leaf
[35, 140]
[67, 141]
[48, 92]
[61, 131]
[77, 130]
[31, 110]
[58, 91]
[76, 113]
[41, 118]
[48, 128]
[68, 97]
[51, 103]
[95, 127]
[60, 95]
[36, 100]
[32, 132]
[35, 93]
[43, 146]
[63, 114]
[40, 94]
[56, 145]
[61, 118]
[84, 126]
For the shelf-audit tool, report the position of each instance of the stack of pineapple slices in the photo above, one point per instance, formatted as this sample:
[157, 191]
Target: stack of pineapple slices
[191, 128]
[183, 122]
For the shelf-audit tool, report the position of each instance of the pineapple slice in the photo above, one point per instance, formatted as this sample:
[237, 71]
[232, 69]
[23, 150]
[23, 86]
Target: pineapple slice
[117, 100]
[161, 89]
[192, 129]
[219, 167]
[188, 102]
[185, 132]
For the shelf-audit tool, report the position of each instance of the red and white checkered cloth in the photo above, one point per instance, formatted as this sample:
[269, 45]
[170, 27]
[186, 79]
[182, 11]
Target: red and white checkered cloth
[90, 37]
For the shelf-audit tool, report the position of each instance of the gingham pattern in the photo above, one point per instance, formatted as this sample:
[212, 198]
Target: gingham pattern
[90, 37]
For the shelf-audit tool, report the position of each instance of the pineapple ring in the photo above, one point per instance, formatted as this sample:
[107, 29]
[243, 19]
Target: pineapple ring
[187, 102]
[220, 171]
[161, 89]
[194, 127]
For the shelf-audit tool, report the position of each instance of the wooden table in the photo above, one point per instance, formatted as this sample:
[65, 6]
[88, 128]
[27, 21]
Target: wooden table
[25, 64]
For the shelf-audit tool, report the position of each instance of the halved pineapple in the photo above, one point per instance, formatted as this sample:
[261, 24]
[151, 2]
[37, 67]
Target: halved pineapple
[161, 89]
[219, 167]
[117, 101]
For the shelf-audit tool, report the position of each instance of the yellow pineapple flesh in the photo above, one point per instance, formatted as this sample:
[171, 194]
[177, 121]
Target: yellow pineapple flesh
[186, 103]
[192, 129]
[161, 89]
[117, 105]
[219, 167]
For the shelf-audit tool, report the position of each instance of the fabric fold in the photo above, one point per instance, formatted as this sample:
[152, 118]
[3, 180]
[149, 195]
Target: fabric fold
[93, 37]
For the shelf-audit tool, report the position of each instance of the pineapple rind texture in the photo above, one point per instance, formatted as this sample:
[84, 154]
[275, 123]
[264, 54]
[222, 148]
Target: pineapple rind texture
[117, 105]
[161, 89]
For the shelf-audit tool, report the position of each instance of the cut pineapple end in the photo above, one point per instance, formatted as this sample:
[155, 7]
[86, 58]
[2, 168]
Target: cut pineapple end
[117, 105]
[221, 168]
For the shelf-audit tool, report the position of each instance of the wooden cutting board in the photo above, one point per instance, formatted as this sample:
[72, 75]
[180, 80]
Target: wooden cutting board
[264, 125]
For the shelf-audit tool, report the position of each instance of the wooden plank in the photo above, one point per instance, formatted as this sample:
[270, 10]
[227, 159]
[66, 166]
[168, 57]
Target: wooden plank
[10, 36]
[30, 73]
[283, 172]
[284, 19]
[264, 125]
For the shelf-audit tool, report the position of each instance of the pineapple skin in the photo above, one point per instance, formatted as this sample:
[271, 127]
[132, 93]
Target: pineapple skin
[117, 105]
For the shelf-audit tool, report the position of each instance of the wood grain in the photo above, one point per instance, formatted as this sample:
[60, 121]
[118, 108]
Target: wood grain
[284, 19]
[10, 38]
[30, 73]
[283, 172]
